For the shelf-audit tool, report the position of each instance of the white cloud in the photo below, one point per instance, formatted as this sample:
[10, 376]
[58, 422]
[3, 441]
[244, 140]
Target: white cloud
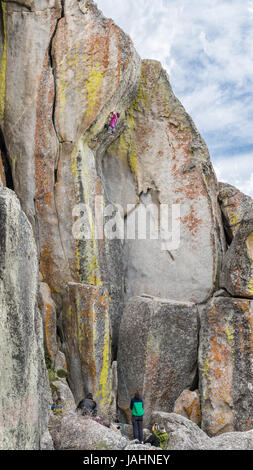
[207, 48]
[236, 170]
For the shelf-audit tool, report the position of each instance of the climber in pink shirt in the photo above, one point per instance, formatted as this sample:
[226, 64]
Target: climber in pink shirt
[113, 121]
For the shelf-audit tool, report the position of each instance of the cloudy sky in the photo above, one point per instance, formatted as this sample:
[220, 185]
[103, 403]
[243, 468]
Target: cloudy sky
[207, 48]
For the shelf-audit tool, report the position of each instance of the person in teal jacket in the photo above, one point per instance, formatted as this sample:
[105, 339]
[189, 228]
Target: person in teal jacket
[136, 406]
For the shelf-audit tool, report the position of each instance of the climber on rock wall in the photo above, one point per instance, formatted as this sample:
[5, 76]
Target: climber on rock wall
[113, 121]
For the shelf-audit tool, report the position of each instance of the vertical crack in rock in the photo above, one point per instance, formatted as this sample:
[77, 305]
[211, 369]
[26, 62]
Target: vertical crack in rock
[6, 162]
[51, 61]
[52, 65]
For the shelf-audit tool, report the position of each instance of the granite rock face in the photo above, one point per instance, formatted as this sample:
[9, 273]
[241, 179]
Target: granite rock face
[87, 344]
[162, 162]
[75, 432]
[2, 172]
[186, 435]
[128, 228]
[25, 393]
[188, 405]
[157, 355]
[235, 207]
[48, 311]
[226, 365]
[237, 270]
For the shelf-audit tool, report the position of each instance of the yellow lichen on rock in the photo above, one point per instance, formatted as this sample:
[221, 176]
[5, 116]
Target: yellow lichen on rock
[3, 66]
[94, 83]
[104, 384]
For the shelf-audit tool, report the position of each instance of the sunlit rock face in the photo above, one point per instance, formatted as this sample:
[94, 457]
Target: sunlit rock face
[25, 394]
[161, 160]
[64, 68]
[237, 269]
[160, 360]
[226, 364]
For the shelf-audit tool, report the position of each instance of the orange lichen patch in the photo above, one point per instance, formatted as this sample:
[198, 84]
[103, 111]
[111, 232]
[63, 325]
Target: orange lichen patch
[192, 186]
[44, 156]
[149, 390]
[97, 66]
[88, 331]
[47, 263]
[248, 425]
[50, 331]
[192, 222]
[44, 133]
[229, 352]
[188, 404]
[220, 359]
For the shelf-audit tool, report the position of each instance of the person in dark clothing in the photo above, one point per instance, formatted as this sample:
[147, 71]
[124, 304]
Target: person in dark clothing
[136, 406]
[88, 406]
[159, 437]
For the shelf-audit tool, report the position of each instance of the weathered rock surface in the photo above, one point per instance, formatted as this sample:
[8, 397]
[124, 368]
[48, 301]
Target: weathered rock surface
[25, 394]
[235, 207]
[157, 355]
[186, 435]
[87, 334]
[169, 165]
[237, 270]
[63, 68]
[60, 363]
[56, 96]
[48, 311]
[127, 430]
[74, 432]
[63, 396]
[2, 173]
[188, 405]
[226, 365]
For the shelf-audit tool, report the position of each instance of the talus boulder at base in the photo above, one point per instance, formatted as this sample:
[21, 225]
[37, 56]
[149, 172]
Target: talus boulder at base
[186, 435]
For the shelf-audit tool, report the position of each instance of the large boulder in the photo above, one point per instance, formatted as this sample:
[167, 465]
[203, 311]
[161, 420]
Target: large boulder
[87, 335]
[237, 269]
[186, 435]
[234, 206]
[74, 432]
[183, 433]
[25, 395]
[157, 355]
[70, 66]
[160, 163]
[188, 405]
[226, 365]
